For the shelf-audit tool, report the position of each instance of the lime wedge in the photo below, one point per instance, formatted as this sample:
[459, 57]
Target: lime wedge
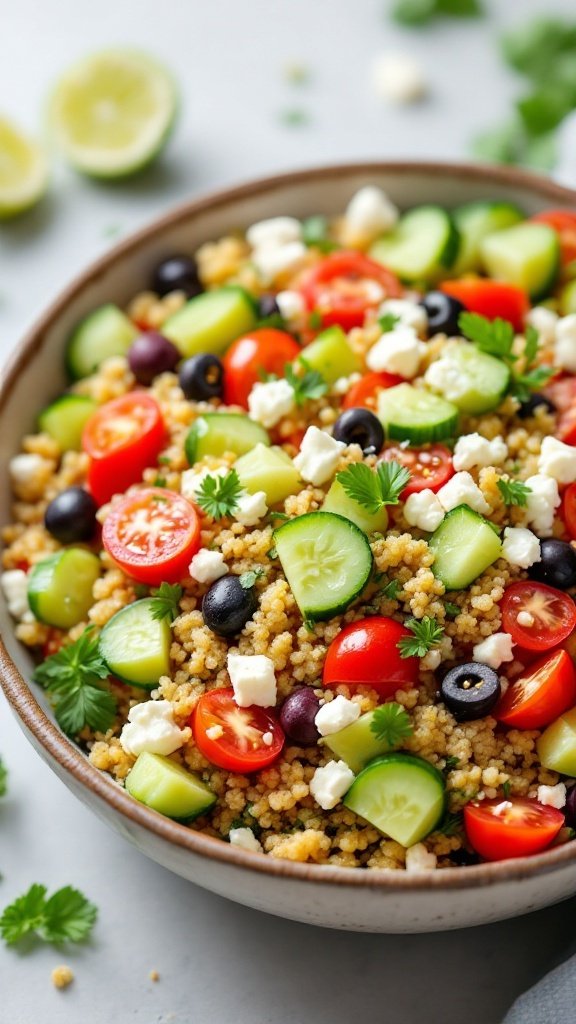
[23, 171]
[112, 113]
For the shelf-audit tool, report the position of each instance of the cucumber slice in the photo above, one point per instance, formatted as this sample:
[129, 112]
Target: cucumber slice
[339, 502]
[331, 355]
[464, 545]
[527, 255]
[211, 321]
[415, 415]
[60, 587]
[218, 432]
[474, 381]
[357, 744]
[270, 470]
[567, 299]
[167, 788]
[326, 560]
[136, 646]
[105, 332]
[401, 795]
[421, 247]
[556, 746]
[474, 222]
[65, 419]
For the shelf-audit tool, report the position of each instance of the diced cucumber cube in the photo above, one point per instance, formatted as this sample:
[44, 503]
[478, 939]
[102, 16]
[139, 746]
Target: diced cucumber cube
[168, 788]
[60, 587]
[557, 745]
[270, 470]
[357, 744]
[339, 502]
[220, 432]
[331, 355]
[464, 545]
[527, 255]
[65, 420]
[212, 321]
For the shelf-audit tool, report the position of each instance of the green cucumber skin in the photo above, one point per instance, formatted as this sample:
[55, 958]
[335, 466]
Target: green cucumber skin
[331, 355]
[248, 435]
[493, 374]
[122, 619]
[59, 421]
[474, 222]
[46, 590]
[86, 336]
[416, 433]
[412, 762]
[146, 779]
[440, 262]
[357, 744]
[523, 233]
[442, 537]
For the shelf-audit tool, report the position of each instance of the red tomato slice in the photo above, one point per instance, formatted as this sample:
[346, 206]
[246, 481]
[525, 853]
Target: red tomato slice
[563, 393]
[491, 299]
[542, 693]
[564, 224]
[344, 285]
[122, 438]
[238, 745]
[366, 654]
[265, 350]
[553, 615]
[568, 510]
[502, 829]
[152, 534]
[431, 467]
[365, 392]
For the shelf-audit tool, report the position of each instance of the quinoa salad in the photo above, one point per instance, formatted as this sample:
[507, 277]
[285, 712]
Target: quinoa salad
[294, 552]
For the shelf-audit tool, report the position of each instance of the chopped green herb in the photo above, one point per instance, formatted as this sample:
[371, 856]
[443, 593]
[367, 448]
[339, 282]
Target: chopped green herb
[315, 234]
[160, 481]
[391, 589]
[66, 916]
[451, 825]
[306, 386]
[419, 12]
[73, 677]
[141, 590]
[426, 635]
[533, 377]
[452, 610]
[272, 553]
[164, 460]
[391, 724]
[278, 515]
[218, 495]
[451, 762]
[3, 778]
[374, 489]
[309, 625]
[315, 320]
[514, 492]
[495, 337]
[248, 579]
[506, 788]
[388, 321]
[166, 601]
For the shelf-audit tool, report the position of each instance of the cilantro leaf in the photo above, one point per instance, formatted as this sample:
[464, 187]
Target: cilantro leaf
[523, 384]
[66, 916]
[514, 492]
[85, 705]
[451, 824]
[310, 384]
[248, 579]
[166, 600]
[426, 635]
[23, 915]
[73, 678]
[495, 337]
[3, 778]
[391, 589]
[391, 724]
[372, 489]
[388, 321]
[218, 495]
[532, 345]
[451, 762]
[452, 610]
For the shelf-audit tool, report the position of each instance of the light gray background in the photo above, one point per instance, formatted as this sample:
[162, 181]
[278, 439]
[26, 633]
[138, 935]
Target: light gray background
[216, 960]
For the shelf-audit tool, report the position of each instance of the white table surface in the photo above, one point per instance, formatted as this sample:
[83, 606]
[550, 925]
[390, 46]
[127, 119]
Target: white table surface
[216, 960]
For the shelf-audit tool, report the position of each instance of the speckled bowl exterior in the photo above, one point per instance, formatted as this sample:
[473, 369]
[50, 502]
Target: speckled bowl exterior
[370, 901]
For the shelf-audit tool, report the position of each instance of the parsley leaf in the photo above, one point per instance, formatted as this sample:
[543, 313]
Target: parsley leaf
[426, 635]
[388, 321]
[391, 724]
[451, 762]
[372, 489]
[315, 234]
[310, 384]
[495, 337]
[514, 492]
[248, 579]
[3, 778]
[533, 377]
[452, 610]
[73, 676]
[506, 788]
[418, 12]
[166, 601]
[218, 495]
[451, 824]
[66, 916]
[391, 589]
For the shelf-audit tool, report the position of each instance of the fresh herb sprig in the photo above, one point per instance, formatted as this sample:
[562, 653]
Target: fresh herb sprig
[73, 678]
[218, 495]
[419, 12]
[426, 634]
[374, 489]
[532, 377]
[166, 601]
[496, 337]
[391, 724]
[307, 385]
[514, 492]
[66, 916]
[452, 824]
[388, 321]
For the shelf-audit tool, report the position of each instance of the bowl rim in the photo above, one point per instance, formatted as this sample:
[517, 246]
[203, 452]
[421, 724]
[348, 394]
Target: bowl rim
[68, 756]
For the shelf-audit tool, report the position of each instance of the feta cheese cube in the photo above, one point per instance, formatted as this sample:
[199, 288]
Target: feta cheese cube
[418, 859]
[329, 784]
[461, 490]
[423, 510]
[557, 460]
[291, 305]
[251, 508]
[269, 402]
[272, 260]
[14, 584]
[541, 503]
[552, 796]
[244, 839]
[318, 456]
[151, 727]
[191, 480]
[543, 320]
[520, 547]
[431, 660]
[494, 650]
[398, 351]
[207, 566]
[253, 680]
[274, 231]
[444, 376]
[398, 78]
[336, 715]
[475, 450]
[411, 314]
[369, 213]
[565, 343]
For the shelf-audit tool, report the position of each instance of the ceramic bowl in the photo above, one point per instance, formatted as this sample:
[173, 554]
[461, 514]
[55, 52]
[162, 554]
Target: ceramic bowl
[371, 901]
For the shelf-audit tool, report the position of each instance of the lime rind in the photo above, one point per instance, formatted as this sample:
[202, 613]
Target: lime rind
[23, 171]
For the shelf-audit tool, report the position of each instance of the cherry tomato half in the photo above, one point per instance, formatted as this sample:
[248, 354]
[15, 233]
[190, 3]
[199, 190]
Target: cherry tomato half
[502, 829]
[365, 392]
[491, 299]
[366, 654]
[265, 350]
[563, 393]
[122, 438]
[431, 467]
[237, 743]
[553, 615]
[568, 510]
[152, 534]
[542, 693]
[564, 224]
[344, 285]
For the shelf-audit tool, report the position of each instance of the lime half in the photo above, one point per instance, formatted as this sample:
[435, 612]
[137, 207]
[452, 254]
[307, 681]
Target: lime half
[23, 171]
[112, 113]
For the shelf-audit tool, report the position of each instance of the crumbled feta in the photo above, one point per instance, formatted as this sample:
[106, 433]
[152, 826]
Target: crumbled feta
[272, 260]
[336, 715]
[520, 547]
[191, 480]
[565, 343]
[274, 231]
[215, 732]
[244, 839]
[397, 351]
[418, 858]
[445, 376]
[525, 618]
[398, 78]
[26, 467]
[544, 321]
[15, 589]
[369, 213]
[269, 402]
[494, 650]
[541, 502]
[291, 305]
[151, 728]
[410, 314]
[329, 784]
[251, 508]
[557, 460]
[423, 510]
[431, 660]
[343, 384]
[552, 796]
[253, 680]
[475, 450]
[318, 456]
[207, 566]
[461, 490]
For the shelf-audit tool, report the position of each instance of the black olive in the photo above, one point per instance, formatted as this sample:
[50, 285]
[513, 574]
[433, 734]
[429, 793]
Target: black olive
[443, 313]
[267, 306]
[297, 716]
[557, 567]
[470, 691]
[227, 606]
[177, 274]
[360, 426]
[536, 400]
[150, 355]
[71, 516]
[570, 809]
[202, 377]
